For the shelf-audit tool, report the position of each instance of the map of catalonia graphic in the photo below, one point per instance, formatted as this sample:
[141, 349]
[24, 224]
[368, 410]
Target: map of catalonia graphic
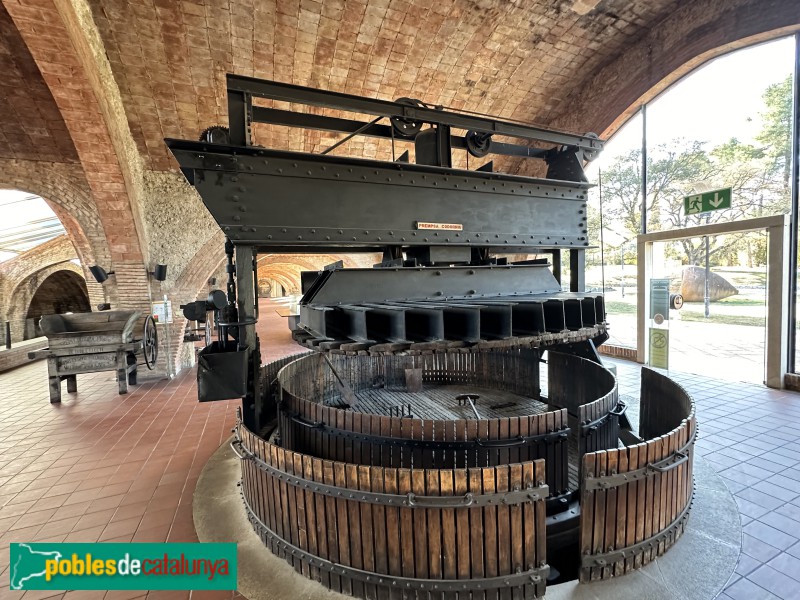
[29, 565]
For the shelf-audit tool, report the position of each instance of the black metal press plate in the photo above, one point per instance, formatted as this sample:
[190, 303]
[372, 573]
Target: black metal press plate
[290, 200]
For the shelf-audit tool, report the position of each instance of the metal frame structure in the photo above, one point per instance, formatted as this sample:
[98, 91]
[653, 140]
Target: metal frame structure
[445, 305]
[778, 278]
[439, 228]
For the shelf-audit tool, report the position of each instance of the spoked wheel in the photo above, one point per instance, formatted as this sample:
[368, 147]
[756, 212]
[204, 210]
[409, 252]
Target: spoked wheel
[150, 342]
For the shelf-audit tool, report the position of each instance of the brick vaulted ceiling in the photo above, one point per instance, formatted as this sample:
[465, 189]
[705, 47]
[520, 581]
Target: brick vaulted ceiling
[31, 125]
[520, 59]
[576, 64]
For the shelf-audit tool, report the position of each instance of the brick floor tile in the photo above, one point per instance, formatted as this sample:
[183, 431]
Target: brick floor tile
[30, 519]
[782, 523]
[748, 564]
[788, 483]
[744, 589]
[167, 595]
[790, 510]
[776, 582]
[92, 534]
[757, 549]
[769, 535]
[124, 595]
[119, 528]
[749, 509]
[758, 496]
[787, 564]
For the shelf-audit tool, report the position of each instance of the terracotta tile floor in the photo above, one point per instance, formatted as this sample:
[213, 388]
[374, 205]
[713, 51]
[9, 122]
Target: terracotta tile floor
[123, 468]
[105, 467]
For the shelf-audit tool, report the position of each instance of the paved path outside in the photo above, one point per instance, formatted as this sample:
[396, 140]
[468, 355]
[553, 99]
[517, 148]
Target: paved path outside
[729, 352]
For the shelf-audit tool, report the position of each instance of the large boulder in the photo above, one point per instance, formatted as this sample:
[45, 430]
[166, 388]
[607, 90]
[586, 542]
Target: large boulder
[693, 285]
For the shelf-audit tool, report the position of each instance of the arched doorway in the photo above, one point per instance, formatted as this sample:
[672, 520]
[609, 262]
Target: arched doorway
[62, 292]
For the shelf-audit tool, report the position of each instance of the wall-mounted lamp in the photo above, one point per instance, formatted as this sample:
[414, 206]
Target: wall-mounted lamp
[159, 272]
[99, 273]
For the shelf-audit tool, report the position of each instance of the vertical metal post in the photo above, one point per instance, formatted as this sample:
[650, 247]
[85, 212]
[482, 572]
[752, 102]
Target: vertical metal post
[795, 209]
[556, 264]
[166, 335]
[644, 168]
[8, 335]
[245, 302]
[778, 284]
[622, 267]
[239, 117]
[706, 298]
[577, 270]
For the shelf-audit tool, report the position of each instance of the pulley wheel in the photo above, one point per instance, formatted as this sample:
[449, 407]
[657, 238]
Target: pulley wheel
[478, 144]
[404, 126]
[150, 342]
[589, 154]
[216, 134]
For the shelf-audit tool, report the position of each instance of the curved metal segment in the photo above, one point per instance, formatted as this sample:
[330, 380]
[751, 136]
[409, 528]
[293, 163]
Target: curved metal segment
[410, 500]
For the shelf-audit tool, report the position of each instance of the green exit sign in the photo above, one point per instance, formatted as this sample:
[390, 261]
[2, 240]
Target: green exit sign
[708, 201]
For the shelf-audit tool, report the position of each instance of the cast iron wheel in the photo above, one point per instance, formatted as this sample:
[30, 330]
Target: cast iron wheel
[150, 342]
[404, 126]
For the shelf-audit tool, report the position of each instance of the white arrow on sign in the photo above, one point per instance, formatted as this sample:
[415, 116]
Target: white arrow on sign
[717, 200]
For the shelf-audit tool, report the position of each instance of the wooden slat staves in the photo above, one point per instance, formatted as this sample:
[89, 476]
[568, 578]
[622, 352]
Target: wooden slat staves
[630, 525]
[641, 495]
[650, 499]
[490, 553]
[406, 525]
[475, 528]
[368, 540]
[599, 516]
[622, 511]
[540, 534]
[319, 509]
[516, 538]
[449, 546]
[610, 534]
[380, 545]
[462, 524]
[393, 542]
[435, 526]
[587, 513]
[502, 477]
[331, 517]
[343, 525]
[420, 526]
[302, 518]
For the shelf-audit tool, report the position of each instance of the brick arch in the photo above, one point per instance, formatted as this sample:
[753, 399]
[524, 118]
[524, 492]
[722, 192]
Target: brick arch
[21, 295]
[64, 189]
[689, 37]
[96, 123]
[309, 262]
[285, 273]
[61, 292]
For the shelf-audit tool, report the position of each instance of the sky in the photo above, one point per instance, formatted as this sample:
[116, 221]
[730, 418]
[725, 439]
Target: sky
[16, 210]
[719, 100]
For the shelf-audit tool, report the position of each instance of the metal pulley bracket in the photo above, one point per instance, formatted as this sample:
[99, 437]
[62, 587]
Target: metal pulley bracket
[405, 126]
[478, 144]
[410, 500]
